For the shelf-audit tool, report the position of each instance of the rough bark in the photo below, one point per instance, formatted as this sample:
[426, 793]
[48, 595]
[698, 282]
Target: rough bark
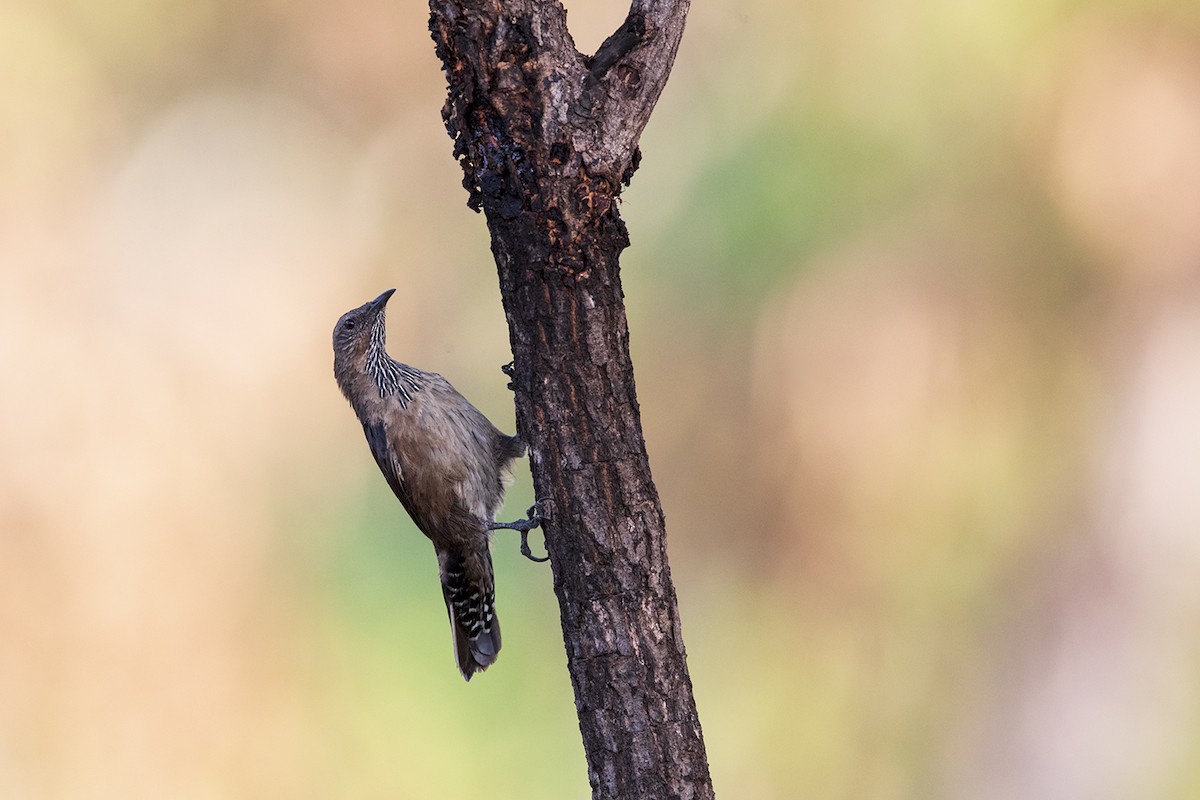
[546, 138]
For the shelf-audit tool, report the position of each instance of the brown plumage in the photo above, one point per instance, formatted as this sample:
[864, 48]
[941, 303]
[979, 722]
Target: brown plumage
[445, 462]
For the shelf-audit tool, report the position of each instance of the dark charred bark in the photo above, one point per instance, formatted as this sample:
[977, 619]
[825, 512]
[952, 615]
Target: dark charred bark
[546, 138]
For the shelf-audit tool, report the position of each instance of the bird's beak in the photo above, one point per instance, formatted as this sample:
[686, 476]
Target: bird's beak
[379, 302]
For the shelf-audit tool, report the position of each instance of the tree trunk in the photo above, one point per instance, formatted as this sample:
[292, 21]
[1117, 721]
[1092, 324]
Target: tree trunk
[546, 138]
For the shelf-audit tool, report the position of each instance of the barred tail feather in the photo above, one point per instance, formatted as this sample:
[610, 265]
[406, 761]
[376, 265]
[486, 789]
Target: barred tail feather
[471, 604]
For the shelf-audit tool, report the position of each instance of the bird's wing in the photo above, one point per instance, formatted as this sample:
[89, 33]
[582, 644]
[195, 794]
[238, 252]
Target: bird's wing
[390, 467]
[465, 565]
[444, 523]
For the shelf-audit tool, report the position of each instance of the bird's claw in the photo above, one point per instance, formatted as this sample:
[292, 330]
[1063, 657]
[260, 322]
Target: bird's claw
[525, 551]
[533, 519]
[534, 513]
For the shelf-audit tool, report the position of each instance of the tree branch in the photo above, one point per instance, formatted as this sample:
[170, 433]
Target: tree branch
[546, 138]
[625, 38]
[626, 77]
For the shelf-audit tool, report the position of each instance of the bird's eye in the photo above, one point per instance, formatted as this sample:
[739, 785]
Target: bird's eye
[349, 325]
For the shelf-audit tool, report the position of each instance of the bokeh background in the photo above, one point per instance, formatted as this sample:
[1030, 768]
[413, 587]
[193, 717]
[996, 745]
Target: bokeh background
[914, 294]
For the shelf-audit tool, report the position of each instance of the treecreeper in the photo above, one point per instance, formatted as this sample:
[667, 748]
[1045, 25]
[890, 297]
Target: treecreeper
[446, 463]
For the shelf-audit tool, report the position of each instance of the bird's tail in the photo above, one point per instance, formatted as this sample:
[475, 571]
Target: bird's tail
[471, 603]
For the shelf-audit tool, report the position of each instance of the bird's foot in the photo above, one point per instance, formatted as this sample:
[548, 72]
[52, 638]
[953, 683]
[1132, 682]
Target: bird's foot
[533, 519]
[510, 369]
[527, 552]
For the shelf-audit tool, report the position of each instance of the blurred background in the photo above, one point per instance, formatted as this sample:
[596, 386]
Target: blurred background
[914, 294]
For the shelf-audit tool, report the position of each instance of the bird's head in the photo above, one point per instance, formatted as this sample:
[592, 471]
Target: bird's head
[360, 329]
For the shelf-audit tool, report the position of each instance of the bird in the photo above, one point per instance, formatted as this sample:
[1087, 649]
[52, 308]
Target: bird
[447, 464]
